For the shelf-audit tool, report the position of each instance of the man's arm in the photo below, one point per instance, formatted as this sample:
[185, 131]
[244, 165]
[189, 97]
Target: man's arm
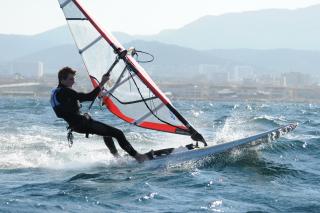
[88, 96]
[93, 94]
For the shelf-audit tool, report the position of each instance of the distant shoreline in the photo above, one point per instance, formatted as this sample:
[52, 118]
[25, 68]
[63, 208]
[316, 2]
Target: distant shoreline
[176, 98]
[188, 91]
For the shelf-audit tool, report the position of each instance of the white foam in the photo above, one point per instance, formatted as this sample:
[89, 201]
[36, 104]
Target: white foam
[231, 130]
[48, 148]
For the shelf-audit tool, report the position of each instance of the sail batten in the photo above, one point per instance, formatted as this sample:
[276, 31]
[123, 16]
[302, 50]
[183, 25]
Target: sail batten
[77, 19]
[90, 45]
[130, 93]
[65, 3]
[140, 120]
[119, 83]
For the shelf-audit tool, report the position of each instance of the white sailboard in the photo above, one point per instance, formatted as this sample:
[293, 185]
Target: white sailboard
[190, 152]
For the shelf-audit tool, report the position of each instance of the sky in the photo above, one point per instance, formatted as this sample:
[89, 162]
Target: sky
[144, 17]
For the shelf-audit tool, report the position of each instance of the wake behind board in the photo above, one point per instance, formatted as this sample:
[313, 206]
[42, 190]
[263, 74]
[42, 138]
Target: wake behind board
[190, 152]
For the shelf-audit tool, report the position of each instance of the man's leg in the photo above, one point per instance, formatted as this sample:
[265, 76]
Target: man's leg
[102, 129]
[110, 144]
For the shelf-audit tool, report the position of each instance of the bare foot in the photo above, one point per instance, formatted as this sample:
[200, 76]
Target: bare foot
[141, 157]
[116, 155]
[150, 154]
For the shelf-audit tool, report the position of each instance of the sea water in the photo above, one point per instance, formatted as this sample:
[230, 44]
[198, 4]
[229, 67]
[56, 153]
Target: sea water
[39, 172]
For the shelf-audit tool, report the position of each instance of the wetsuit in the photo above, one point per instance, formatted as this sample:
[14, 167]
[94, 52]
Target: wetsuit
[66, 104]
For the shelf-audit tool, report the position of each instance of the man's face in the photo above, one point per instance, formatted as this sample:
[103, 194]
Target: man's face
[69, 81]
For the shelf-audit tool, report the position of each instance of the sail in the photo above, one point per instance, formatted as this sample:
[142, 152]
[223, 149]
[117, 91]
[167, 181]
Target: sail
[130, 93]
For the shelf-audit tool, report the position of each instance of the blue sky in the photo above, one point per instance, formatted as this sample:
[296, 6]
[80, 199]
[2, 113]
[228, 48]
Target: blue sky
[133, 17]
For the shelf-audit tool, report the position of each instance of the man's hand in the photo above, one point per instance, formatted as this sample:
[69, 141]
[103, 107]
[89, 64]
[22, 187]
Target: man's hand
[104, 79]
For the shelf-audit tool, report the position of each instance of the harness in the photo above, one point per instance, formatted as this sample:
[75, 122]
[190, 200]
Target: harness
[55, 104]
[70, 129]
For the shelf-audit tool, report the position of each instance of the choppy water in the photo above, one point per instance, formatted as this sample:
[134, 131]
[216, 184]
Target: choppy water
[39, 172]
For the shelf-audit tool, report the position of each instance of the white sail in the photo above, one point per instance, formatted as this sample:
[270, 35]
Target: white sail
[130, 93]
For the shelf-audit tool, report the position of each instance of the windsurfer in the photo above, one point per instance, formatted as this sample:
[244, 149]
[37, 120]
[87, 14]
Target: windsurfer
[66, 104]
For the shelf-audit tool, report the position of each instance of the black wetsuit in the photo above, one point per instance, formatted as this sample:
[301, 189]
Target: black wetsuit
[66, 104]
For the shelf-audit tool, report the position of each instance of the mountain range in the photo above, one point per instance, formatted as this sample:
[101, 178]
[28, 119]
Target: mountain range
[271, 41]
[264, 29]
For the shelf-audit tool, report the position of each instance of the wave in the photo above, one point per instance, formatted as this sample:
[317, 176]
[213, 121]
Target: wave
[252, 161]
[83, 176]
[43, 148]
[311, 123]
[266, 120]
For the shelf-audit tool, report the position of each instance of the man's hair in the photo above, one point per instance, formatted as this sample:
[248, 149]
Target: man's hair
[64, 72]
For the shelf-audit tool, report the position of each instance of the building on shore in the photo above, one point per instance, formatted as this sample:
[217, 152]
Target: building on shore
[21, 70]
